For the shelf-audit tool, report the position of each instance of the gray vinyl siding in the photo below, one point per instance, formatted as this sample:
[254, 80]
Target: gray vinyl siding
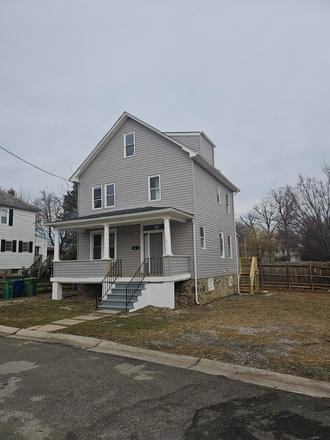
[81, 269]
[154, 155]
[83, 249]
[190, 141]
[207, 150]
[214, 218]
[127, 237]
[182, 241]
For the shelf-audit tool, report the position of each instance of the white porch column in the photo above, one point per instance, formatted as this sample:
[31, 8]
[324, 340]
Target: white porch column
[56, 291]
[106, 255]
[167, 231]
[57, 246]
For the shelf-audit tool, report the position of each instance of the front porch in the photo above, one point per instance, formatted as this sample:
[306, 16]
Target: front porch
[158, 277]
[152, 241]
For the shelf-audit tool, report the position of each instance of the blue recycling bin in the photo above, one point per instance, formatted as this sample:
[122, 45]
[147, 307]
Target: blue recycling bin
[18, 288]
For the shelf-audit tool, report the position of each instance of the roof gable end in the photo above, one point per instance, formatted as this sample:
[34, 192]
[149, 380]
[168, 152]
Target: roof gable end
[109, 135]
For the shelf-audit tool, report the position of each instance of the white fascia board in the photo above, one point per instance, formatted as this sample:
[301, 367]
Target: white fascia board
[106, 138]
[215, 172]
[118, 220]
[111, 133]
[191, 133]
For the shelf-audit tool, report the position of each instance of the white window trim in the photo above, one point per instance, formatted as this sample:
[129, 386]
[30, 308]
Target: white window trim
[113, 231]
[94, 187]
[227, 204]
[105, 196]
[204, 238]
[91, 241]
[7, 216]
[210, 284]
[219, 195]
[230, 248]
[126, 134]
[149, 189]
[222, 237]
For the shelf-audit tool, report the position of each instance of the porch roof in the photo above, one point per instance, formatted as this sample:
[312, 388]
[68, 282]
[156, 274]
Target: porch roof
[122, 217]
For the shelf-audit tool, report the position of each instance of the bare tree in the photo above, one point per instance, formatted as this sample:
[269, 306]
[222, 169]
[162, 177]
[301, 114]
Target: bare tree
[313, 216]
[50, 209]
[284, 201]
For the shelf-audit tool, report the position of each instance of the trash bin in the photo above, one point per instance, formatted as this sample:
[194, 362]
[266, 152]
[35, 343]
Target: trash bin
[18, 288]
[7, 288]
[30, 286]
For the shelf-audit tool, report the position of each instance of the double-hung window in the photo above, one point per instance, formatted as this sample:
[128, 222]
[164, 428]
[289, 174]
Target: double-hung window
[222, 245]
[218, 194]
[227, 204]
[97, 197]
[3, 216]
[154, 188]
[110, 195]
[202, 237]
[129, 140]
[230, 247]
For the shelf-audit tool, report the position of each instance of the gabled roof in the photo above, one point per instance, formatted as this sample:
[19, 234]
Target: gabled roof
[121, 121]
[14, 202]
[192, 154]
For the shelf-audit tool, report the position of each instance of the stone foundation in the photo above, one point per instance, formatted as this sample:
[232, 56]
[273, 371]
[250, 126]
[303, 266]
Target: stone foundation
[224, 285]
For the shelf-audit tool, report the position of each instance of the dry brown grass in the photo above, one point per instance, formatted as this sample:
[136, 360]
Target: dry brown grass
[283, 331]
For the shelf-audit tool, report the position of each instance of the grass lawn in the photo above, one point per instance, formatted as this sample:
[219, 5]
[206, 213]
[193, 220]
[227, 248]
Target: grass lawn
[39, 310]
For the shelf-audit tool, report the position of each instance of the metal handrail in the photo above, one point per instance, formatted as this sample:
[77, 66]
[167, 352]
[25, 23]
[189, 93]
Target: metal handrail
[138, 277]
[151, 266]
[116, 270]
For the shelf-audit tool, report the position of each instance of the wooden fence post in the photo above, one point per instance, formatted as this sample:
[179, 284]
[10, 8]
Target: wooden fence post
[288, 272]
[311, 274]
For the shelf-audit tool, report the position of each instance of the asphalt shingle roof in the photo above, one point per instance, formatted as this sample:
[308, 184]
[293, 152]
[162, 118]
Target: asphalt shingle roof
[14, 202]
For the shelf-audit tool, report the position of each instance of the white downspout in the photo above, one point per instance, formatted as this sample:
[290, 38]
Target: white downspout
[195, 261]
[237, 250]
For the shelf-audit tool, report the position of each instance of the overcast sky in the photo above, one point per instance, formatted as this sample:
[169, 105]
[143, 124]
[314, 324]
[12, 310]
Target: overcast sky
[254, 75]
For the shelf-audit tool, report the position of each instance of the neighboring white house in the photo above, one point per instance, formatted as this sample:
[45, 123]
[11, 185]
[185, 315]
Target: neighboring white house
[18, 241]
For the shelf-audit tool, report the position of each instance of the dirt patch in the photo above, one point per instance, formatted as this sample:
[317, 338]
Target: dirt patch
[284, 331]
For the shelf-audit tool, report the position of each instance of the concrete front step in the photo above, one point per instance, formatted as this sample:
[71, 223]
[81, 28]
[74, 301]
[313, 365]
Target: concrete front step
[116, 299]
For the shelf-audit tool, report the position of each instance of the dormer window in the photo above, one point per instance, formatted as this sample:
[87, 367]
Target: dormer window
[3, 216]
[97, 197]
[129, 144]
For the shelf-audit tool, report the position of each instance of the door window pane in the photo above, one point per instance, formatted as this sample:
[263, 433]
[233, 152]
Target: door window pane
[97, 247]
[112, 245]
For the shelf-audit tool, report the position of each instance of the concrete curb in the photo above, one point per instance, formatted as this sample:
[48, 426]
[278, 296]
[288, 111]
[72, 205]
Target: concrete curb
[72, 340]
[8, 330]
[255, 376]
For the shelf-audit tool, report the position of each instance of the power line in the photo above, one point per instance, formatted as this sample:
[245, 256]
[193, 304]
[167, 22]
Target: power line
[31, 164]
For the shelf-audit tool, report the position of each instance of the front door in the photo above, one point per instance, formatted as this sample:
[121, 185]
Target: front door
[154, 250]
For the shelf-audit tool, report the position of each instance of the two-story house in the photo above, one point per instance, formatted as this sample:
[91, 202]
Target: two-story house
[19, 244]
[153, 201]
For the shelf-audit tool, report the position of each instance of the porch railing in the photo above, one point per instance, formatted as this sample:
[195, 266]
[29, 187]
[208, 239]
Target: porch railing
[149, 266]
[116, 270]
[35, 265]
[45, 266]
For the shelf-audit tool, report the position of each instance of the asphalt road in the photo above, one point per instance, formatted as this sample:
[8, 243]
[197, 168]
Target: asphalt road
[56, 392]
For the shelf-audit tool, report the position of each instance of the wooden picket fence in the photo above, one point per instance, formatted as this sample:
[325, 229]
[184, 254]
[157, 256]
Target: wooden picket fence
[299, 274]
